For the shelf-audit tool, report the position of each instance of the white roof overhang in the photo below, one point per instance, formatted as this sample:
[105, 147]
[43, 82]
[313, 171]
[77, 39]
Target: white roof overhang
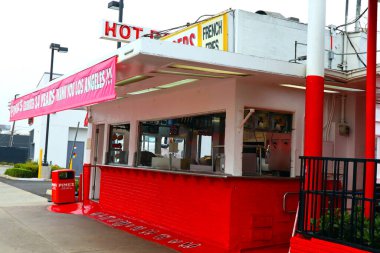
[146, 63]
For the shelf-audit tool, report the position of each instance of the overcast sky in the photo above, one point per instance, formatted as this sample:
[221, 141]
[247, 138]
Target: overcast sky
[28, 27]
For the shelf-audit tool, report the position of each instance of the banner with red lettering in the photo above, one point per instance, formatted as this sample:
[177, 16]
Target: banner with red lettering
[89, 86]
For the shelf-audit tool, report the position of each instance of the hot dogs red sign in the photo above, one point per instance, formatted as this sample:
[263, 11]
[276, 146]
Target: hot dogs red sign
[123, 32]
[89, 86]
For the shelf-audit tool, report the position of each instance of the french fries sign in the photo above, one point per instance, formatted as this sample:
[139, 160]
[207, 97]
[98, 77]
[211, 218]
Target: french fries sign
[211, 33]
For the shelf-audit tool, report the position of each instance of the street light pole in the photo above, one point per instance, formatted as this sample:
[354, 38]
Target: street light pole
[117, 6]
[13, 129]
[121, 7]
[53, 47]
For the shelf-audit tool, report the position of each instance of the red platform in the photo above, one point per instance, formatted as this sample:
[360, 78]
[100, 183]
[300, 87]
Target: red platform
[300, 244]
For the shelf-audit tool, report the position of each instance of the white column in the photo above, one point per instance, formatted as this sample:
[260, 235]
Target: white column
[133, 139]
[316, 38]
[88, 144]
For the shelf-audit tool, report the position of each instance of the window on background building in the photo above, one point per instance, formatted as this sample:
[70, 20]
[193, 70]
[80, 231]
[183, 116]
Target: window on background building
[186, 143]
[118, 144]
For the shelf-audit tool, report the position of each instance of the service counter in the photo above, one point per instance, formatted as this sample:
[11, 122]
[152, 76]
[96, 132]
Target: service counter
[232, 212]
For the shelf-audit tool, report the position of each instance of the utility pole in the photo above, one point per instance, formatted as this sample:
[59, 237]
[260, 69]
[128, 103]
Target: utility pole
[13, 129]
[358, 9]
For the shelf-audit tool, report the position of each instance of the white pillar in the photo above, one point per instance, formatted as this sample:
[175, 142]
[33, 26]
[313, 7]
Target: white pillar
[316, 38]
[133, 141]
[88, 144]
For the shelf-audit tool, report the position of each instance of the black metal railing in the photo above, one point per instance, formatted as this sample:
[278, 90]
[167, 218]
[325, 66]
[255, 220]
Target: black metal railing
[333, 204]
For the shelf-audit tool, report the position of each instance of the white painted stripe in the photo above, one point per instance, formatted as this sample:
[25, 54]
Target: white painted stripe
[315, 38]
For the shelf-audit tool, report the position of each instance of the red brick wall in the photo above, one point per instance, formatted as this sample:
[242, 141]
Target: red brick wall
[233, 213]
[299, 244]
[196, 206]
[257, 216]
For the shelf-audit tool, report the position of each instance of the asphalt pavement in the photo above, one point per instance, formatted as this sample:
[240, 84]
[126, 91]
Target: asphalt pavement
[36, 187]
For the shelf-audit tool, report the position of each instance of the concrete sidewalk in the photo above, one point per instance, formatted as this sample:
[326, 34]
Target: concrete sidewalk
[12, 196]
[27, 226]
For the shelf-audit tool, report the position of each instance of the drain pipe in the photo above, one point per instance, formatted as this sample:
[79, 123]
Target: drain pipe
[370, 120]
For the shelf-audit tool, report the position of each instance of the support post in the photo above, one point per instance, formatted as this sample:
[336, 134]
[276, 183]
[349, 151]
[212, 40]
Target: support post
[314, 101]
[370, 174]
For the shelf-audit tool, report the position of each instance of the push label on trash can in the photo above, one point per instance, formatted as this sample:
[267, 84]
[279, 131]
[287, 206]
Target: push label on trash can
[62, 186]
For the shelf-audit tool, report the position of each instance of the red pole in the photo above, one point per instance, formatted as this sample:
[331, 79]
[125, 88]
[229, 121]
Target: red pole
[86, 183]
[314, 106]
[370, 104]
[314, 116]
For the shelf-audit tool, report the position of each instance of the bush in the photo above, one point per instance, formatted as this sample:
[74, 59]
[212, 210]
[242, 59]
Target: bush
[76, 184]
[31, 166]
[330, 225]
[18, 172]
[6, 163]
[56, 167]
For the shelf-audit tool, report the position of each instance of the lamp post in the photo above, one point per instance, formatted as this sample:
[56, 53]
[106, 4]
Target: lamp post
[13, 129]
[117, 5]
[60, 49]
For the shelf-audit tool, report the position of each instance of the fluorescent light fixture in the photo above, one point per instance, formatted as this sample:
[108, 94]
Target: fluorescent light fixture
[177, 83]
[132, 80]
[164, 86]
[217, 71]
[341, 88]
[330, 91]
[143, 91]
[304, 88]
[188, 74]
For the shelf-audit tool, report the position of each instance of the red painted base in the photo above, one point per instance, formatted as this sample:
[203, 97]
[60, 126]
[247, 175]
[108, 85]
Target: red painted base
[219, 214]
[137, 227]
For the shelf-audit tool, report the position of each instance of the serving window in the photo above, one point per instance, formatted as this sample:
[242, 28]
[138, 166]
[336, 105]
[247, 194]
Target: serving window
[267, 143]
[118, 144]
[183, 143]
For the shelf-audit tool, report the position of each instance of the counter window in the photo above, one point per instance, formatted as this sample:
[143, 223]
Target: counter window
[183, 143]
[118, 144]
[267, 143]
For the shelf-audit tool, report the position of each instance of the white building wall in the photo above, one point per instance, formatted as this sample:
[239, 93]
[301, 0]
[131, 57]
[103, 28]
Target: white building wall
[274, 38]
[61, 130]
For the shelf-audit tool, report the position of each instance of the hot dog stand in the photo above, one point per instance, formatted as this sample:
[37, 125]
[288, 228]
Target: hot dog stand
[201, 142]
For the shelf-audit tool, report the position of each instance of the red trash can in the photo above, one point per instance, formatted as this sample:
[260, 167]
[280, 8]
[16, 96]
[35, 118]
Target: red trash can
[63, 186]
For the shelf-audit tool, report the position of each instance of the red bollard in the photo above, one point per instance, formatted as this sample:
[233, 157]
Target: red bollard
[80, 191]
[86, 182]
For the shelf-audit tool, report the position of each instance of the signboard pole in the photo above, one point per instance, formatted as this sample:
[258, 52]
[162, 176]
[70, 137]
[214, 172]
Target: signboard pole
[45, 163]
[121, 7]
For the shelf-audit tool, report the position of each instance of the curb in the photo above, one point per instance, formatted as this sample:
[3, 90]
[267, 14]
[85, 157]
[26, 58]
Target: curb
[25, 179]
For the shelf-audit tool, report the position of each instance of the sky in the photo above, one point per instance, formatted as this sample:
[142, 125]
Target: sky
[28, 28]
